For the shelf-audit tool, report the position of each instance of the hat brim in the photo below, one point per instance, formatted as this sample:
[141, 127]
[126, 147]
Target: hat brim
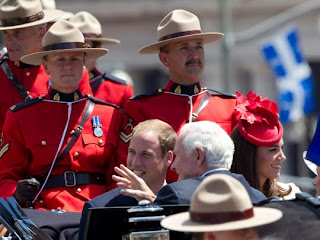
[312, 166]
[206, 37]
[180, 222]
[49, 16]
[103, 40]
[64, 16]
[91, 53]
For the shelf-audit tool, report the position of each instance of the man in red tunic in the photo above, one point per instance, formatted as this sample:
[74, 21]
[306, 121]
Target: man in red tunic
[59, 150]
[23, 25]
[104, 86]
[181, 49]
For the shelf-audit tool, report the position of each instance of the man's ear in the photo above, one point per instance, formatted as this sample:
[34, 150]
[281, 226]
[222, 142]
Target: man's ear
[45, 66]
[200, 155]
[42, 32]
[164, 58]
[169, 158]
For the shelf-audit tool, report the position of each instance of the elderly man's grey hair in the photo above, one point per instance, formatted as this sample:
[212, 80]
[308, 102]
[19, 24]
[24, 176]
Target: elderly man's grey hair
[217, 144]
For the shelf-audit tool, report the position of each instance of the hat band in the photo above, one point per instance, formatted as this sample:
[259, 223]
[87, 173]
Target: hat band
[19, 21]
[214, 218]
[66, 45]
[179, 34]
[90, 35]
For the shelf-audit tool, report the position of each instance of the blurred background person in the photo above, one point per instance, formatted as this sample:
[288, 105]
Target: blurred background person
[104, 86]
[259, 144]
[22, 35]
[51, 5]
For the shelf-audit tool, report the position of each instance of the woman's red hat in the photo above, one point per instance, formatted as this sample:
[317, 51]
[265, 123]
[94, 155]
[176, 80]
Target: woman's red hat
[258, 121]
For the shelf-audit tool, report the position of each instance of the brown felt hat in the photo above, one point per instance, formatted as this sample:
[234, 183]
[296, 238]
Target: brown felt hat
[91, 28]
[63, 37]
[179, 25]
[16, 14]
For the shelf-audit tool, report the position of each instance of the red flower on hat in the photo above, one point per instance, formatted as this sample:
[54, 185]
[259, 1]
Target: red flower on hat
[258, 121]
[253, 108]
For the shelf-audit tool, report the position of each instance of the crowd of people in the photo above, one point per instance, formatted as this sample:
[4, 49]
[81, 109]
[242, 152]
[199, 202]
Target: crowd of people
[74, 138]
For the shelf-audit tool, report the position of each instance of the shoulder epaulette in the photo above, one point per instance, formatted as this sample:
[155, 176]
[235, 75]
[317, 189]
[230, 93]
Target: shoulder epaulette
[114, 79]
[159, 91]
[18, 106]
[223, 93]
[99, 101]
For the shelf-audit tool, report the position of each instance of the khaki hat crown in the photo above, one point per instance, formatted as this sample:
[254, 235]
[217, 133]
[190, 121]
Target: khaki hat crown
[178, 22]
[51, 5]
[63, 32]
[90, 27]
[176, 26]
[48, 4]
[22, 8]
[63, 37]
[24, 13]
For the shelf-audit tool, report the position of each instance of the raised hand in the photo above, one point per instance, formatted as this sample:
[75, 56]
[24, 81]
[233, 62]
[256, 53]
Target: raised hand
[133, 186]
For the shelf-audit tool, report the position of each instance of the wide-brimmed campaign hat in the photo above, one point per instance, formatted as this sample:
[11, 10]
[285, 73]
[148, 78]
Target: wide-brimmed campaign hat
[16, 14]
[179, 25]
[311, 157]
[220, 203]
[63, 37]
[91, 28]
[258, 122]
[51, 5]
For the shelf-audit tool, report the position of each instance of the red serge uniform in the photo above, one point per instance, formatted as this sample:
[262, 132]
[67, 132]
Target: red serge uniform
[175, 105]
[110, 88]
[33, 78]
[32, 133]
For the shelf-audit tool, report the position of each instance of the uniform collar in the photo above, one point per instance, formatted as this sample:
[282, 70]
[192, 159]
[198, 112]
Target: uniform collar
[183, 89]
[65, 97]
[19, 64]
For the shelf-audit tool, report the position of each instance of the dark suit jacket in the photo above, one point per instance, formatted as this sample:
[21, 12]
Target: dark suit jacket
[180, 192]
[112, 198]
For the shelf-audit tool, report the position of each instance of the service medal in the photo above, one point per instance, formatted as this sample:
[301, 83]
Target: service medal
[98, 132]
[96, 125]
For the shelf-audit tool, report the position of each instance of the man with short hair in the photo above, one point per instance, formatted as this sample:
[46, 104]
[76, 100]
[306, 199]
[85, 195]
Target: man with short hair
[150, 154]
[104, 86]
[180, 47]
[221, 209]
[23, 25]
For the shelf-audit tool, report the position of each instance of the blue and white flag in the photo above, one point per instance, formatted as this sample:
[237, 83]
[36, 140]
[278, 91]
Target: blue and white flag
[293, 75]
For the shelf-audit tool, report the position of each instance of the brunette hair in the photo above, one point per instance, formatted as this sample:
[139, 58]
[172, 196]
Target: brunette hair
[244, 162]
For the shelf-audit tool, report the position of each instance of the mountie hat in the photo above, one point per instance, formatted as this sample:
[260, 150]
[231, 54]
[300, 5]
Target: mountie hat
[51, 5]
[220, 203]
[63, 37]
[91, 28]
[312, 155]
[179, 25]
[16, 14]
[258, 122]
